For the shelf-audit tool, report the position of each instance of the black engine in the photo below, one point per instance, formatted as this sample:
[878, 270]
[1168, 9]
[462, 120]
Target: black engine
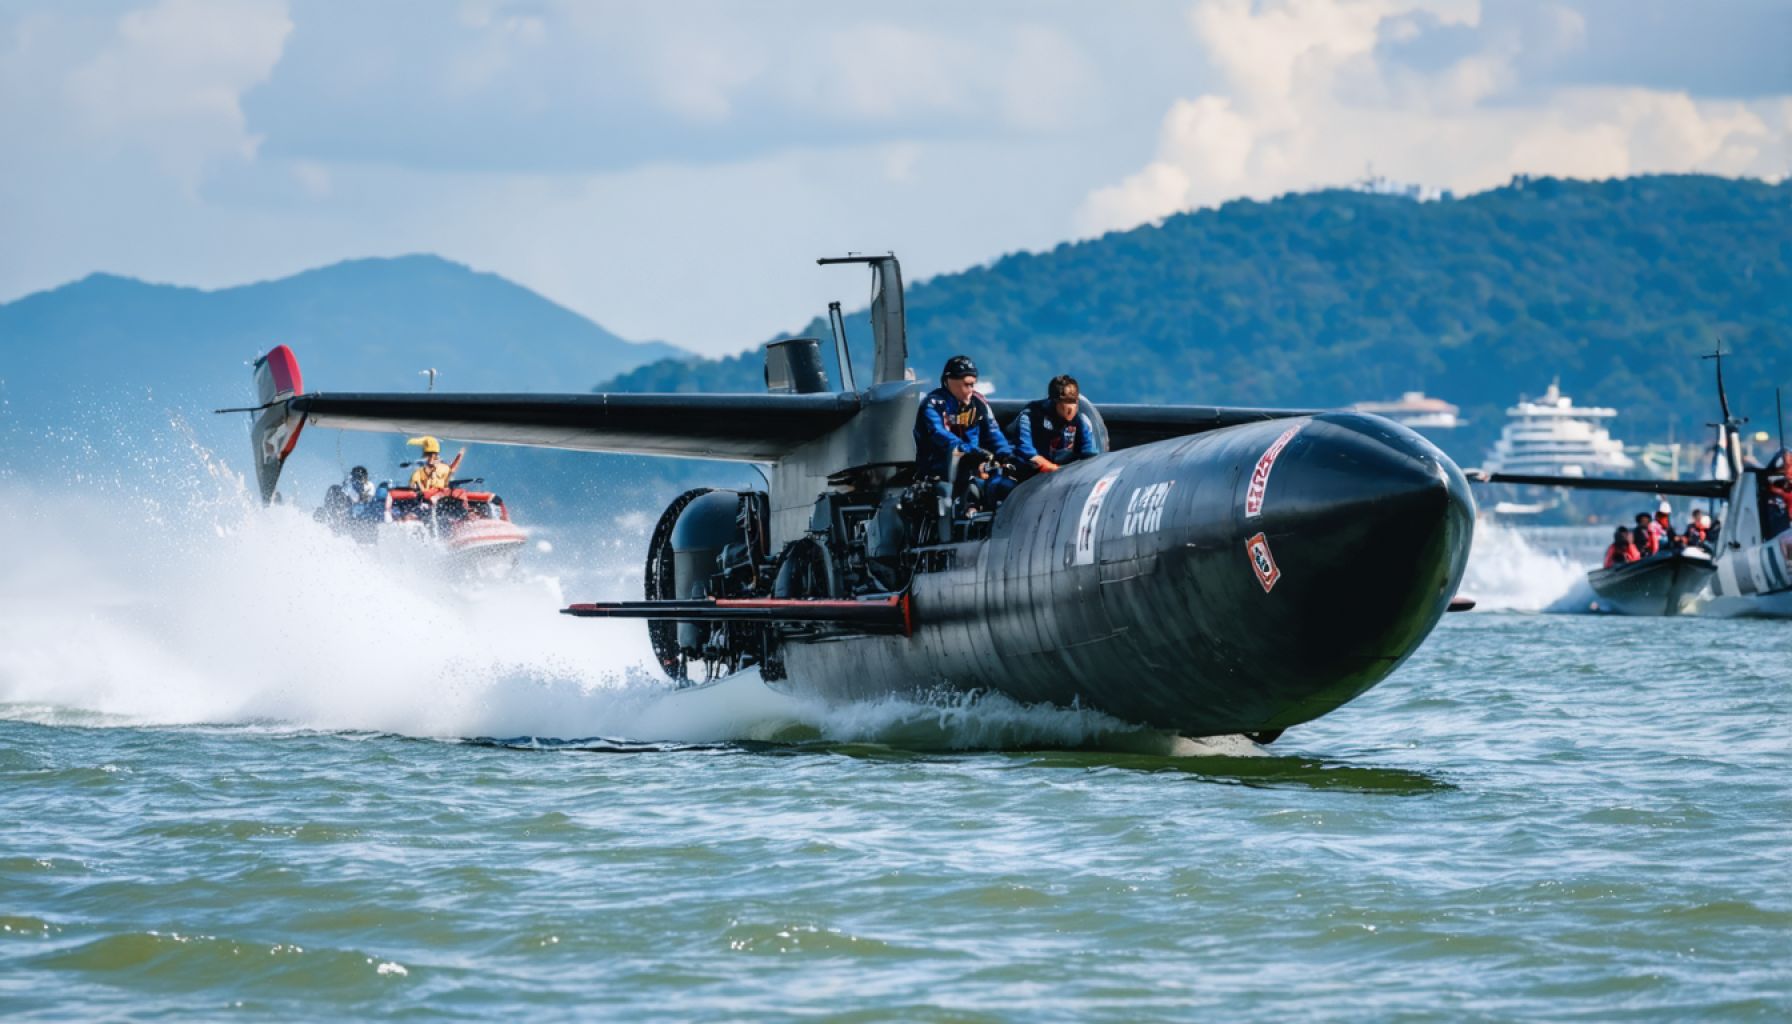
[715, 544]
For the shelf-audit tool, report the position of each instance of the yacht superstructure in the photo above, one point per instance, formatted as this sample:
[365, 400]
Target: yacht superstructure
[1552, 436]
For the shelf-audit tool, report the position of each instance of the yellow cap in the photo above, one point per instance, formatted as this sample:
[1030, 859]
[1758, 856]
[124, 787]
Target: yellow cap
[430, 445]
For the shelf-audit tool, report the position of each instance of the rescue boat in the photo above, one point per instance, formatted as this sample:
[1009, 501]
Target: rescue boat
[472, 528]
[1669, 582]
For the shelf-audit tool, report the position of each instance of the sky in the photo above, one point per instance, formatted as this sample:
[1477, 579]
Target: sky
[671, 169]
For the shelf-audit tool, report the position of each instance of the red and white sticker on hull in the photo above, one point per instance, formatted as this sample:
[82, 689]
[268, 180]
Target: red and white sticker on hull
[1259, 483]
[1262, 562]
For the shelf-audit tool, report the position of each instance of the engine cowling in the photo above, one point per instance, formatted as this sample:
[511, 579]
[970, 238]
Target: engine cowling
[707, 543]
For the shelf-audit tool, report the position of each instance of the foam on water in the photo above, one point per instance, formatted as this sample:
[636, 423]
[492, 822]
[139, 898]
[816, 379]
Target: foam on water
[1508, 573]
[192, 604]
[167, 611]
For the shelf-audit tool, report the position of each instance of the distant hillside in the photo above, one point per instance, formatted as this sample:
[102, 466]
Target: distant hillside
[1335, 297]
[109, 360]
[363, 324]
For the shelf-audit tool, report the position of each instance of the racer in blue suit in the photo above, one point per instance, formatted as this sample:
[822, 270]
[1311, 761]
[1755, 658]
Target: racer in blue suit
[1054, 431]
[955, 418]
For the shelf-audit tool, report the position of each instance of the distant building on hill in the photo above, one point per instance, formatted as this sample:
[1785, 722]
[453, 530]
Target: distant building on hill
[1382, 185]
[1417, 411]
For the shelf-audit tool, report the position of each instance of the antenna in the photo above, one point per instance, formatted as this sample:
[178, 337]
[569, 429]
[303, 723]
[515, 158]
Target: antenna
[1723, 400]
[1727, 432]
[1780, 415]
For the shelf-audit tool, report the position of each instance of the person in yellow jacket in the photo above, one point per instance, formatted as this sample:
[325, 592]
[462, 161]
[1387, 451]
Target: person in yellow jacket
[433, 474]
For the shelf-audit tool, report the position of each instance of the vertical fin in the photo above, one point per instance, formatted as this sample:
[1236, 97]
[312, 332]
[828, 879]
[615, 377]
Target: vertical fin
[889, 323]
[276, 429]
[889, 315]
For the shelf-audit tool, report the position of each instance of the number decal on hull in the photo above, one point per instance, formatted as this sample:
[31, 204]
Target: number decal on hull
[1090, 519]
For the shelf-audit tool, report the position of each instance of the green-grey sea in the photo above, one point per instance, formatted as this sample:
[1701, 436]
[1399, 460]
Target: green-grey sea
[247, 772]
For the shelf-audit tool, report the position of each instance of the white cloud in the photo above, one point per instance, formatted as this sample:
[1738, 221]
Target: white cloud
[884, 71]
[1045, 82]
[169, 80]
[116, 122]
[1312, 98]
[900, 159]
[700, 73]
[670, 169]
[313, 177]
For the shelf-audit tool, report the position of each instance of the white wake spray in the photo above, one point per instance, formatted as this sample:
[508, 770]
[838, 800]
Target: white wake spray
[176, 610]
[1507, 572]
[189, 603]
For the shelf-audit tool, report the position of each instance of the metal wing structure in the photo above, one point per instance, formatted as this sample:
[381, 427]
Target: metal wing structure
[748, 428]
[1711, 489]
[730, 427]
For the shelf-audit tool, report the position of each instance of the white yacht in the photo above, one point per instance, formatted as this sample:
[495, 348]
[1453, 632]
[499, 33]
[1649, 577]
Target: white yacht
[1554, 437]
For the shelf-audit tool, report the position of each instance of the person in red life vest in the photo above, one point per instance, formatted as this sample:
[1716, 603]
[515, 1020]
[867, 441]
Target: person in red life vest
[1645, 535]
[1622, 550]
[1664, 522]
[1695, 535]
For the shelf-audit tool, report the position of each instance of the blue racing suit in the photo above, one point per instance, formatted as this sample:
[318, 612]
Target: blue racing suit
[1041, 432]
[944, 425]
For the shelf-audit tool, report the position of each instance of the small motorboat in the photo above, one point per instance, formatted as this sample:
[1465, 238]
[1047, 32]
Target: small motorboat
[472, 527]
[1669, 582]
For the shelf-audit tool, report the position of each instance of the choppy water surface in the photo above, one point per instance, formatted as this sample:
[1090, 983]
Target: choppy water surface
[346, 797]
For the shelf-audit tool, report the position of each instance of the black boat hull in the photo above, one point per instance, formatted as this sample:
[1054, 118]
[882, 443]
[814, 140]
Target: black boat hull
[1668, 583]
[1188, 584]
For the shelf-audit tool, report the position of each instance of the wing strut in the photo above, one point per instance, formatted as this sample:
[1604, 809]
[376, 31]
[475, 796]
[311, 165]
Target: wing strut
[892, 614]
[1716, 490]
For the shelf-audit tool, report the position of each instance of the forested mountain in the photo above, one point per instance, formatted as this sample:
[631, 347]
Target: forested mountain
[1329, 298]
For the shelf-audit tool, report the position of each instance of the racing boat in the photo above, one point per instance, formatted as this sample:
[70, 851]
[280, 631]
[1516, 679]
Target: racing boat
[1140, 583]
[1666, 583]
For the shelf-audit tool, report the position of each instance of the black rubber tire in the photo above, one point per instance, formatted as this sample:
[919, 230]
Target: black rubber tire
[658, 585]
